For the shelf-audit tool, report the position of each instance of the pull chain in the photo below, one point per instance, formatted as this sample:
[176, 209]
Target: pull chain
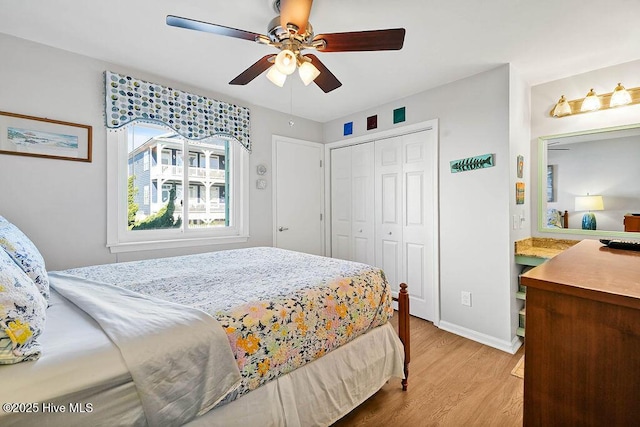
[291, 122]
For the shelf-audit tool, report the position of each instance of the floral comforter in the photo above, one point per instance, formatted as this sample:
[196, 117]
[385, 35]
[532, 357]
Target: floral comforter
[280, 309]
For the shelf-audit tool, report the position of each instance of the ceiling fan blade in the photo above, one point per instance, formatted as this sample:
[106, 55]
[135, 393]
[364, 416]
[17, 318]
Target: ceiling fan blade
[259, 67]
[295, 12]
[356, 41]
[192, 24]
[326, 80]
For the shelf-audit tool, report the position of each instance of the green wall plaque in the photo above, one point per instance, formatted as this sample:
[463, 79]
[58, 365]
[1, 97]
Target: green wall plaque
[472, 163]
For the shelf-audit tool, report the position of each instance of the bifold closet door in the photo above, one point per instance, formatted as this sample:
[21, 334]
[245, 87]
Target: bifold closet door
[406, 216]
[352, 213]
[341, 203]
[388, 209]
[362, 205]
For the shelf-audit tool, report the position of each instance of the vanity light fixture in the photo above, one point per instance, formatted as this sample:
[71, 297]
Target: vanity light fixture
[594, 102]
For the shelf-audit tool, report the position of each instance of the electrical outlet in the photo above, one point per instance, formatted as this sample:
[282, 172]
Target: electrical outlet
[466, 298]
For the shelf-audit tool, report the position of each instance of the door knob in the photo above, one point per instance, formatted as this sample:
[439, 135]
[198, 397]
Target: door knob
[282, 228]
[390, 233]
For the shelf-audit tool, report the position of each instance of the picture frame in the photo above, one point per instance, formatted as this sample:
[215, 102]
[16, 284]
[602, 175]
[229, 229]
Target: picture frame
[30, 136]
[519, 193]
[551, 183]
[520, 166]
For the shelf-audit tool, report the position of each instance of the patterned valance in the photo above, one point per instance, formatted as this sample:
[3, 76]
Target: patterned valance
[192, 116]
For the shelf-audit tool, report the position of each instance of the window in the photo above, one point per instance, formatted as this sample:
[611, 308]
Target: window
[167, 191]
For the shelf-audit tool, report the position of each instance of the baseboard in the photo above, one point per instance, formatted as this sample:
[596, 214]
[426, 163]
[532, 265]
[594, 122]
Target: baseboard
[509, 347]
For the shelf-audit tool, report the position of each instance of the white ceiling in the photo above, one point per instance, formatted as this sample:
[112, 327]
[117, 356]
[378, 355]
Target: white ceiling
[446, 40]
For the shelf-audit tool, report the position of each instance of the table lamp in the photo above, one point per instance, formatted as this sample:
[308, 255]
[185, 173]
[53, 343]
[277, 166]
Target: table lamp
[589, 203]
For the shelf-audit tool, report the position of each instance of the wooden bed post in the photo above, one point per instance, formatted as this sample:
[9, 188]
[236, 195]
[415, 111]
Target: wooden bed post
[403, 329]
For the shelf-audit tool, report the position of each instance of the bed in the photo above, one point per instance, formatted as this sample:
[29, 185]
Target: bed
[295, 339]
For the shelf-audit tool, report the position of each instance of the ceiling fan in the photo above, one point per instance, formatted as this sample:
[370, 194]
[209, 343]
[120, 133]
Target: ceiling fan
[292, 33]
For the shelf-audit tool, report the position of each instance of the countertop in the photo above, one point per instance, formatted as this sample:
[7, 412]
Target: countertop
[591, 270]
[542, 247]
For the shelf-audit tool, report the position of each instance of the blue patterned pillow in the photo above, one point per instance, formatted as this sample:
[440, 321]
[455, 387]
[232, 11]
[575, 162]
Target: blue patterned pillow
[22, 313]
[554, 218]
[25, 254]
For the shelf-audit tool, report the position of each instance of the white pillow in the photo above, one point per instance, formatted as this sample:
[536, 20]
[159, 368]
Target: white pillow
[22, 313]
[25, 254]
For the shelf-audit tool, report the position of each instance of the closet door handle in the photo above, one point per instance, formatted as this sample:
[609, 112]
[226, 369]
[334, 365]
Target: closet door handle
[282, 228]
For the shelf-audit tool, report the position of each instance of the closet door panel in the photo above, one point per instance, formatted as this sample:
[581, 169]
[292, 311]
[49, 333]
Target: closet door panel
[341, 203]
[362, 204]
[414, 255]
[388, 209]
[419, 222]
[389, 259]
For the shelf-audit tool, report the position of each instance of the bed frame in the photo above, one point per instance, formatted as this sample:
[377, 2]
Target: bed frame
[403, 329]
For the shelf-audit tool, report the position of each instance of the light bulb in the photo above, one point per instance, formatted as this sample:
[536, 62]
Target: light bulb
[591, 102]
[286, 62]
[620, 96]
[276, 77]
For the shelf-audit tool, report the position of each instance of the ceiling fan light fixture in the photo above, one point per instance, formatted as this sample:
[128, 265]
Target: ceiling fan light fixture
[308, 72]
[276, 77]
[286, 62]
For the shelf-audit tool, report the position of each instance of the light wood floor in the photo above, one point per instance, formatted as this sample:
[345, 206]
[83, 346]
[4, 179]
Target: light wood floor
[453, 381]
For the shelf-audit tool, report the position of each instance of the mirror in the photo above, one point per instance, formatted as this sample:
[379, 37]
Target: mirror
[600, 162]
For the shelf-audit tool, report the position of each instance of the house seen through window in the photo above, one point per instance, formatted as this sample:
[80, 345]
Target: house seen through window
[177, 183]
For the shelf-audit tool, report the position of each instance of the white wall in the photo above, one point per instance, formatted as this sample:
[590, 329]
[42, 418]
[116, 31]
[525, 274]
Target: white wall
[544, 97]
[475, 243]
[519, 140]
[61, 205]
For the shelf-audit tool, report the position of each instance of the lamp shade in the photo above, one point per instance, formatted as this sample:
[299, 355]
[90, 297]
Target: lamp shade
[589, 203]
[276, 77]
[620, 96]
[286, 62]
[308, 72]
[562, 108]
[591, 102]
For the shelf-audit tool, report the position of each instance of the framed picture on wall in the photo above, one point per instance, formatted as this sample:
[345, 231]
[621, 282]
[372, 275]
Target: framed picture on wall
[40, 137]
[551, 183]
[519, 193]
[520, 166]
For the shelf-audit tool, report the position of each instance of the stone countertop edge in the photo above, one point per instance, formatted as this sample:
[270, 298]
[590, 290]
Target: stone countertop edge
[542, 247]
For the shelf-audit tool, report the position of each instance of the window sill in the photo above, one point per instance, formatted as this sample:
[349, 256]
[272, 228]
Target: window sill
[175, 243]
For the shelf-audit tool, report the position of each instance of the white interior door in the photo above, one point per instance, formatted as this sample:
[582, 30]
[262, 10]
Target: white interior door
[298, 194]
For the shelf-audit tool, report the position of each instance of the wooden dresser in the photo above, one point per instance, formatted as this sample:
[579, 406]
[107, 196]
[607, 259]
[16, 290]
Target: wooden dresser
[582, 348]
[631, 223]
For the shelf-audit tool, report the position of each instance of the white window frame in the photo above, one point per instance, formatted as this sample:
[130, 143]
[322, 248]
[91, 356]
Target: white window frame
[121, 239]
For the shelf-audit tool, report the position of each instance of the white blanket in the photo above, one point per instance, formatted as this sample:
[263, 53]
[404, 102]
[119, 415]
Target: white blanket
[179, 357]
